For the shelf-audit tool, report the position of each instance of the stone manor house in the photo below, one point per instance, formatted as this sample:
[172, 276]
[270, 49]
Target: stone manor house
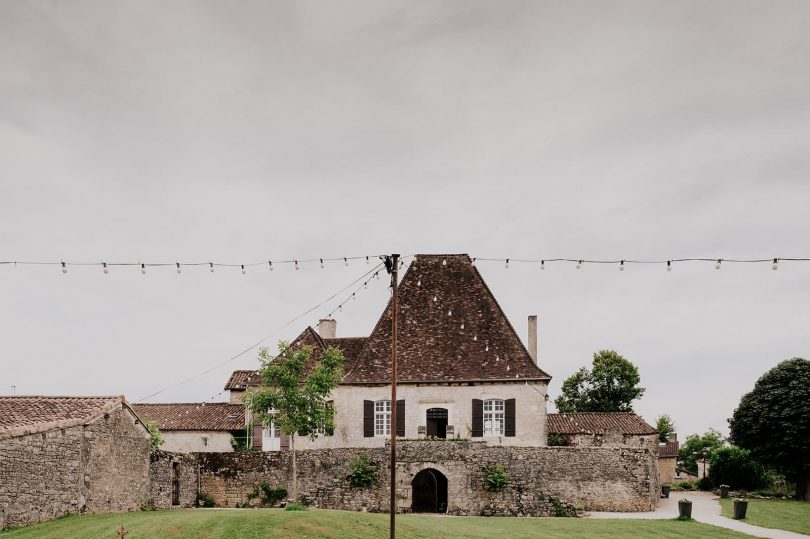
[471, 395]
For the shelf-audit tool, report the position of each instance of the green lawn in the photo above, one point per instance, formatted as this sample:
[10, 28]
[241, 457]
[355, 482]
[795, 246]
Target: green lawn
[788, 515]
[276, 523]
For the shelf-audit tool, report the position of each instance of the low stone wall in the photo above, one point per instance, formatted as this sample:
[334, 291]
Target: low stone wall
[543, 480]
[160, 479]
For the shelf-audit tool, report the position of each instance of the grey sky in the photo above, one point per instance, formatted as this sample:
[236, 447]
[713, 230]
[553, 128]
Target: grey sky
[243, 131]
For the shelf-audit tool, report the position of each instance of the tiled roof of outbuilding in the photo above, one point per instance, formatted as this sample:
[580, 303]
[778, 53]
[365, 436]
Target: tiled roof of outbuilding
[241, 380]
[193, 415]
[669, 449]
[598, 423]
[432, 345]
[31, 414]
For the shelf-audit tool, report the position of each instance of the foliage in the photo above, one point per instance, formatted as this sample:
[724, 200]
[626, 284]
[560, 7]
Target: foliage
[240, 441]
[610, 386]
[156, 440]
[205, 500]
[147, 505]
[495, 479]
[685, 485]
[773, 421]
[705, 483]
[695, 447]
[665, 426]
[736, 467]
[363, 472]
[267, 495]
[557, 439]
[295, 507]
[295, 392]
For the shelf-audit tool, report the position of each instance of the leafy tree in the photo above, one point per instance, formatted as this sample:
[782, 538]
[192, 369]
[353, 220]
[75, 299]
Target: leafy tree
[295, 392]
[735, 467]
[611, 386]
[155, 440]
[665, 426]
[773, 421]
[696, 447]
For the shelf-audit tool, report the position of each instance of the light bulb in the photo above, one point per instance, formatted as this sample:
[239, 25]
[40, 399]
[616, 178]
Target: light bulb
[449, 313]
[64, 268]
[542, 264]
[775, 264]
[353, 296]
[211, 267]
[444, 262]
[473, 262]
[296, 265]
[365, 285]
[179, 271]
[462, 325]
[243, 269]
[419, 282]
[104, 267]
[669, 265]
[506, 265]
[366, 260]
[345, 261]
[621, 266]
[321, 263]
[270, 263]
[143, 268]
[719, 262]
[579, 264]
[340, 308]
[487, 347]
[475, 337]
[435, 299]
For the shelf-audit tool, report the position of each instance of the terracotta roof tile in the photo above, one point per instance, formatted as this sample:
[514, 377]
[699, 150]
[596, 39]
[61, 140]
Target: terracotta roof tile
[31, 414]
[193, 416]
[598, 423]
[431, 345]
[669, 449]
[241, 380]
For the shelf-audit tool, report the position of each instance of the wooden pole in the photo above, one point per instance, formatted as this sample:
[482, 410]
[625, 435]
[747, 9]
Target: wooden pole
[394, 270]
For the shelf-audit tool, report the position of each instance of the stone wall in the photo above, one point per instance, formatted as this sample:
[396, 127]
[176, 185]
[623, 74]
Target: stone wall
[191, 441]
[542, 478]
[160, 479]
[103, 466]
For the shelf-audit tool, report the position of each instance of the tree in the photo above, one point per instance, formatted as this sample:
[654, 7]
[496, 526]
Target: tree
[735, 467]
[611, 386]
[697, 447]
[295, 392]
[773, 421]
[665, 426]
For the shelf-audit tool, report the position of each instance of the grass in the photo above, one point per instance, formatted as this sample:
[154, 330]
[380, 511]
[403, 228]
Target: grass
[788, 515]
[276, 523]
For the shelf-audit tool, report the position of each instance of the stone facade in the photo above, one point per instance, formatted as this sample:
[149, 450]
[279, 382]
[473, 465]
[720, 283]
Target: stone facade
[161, 476]
[543, 480]
[99, 467]
[194, 441]
[613, 439]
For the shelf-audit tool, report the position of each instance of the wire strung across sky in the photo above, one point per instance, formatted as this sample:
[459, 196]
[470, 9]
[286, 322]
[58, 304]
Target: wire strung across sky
[365, 278]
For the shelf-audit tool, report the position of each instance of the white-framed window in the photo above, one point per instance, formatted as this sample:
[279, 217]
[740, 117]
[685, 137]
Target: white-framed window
[493, 417]
[382, 418]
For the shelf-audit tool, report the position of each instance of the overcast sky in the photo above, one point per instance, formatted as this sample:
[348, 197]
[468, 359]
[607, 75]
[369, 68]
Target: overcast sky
[244, 131]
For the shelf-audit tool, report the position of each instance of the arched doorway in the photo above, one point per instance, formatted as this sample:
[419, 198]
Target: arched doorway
[429, 492]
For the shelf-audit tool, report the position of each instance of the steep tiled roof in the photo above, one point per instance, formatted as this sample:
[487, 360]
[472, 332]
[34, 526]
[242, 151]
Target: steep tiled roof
[598, 423]
[193, 416]
[669, 449]
[241, 380]
[432, 345]
[31, 414]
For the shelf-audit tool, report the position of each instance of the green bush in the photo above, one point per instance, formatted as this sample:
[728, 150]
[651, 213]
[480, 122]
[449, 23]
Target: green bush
[734, 466]
[267, 495]
[557, 439]
[363, 472]
[684, 485]
[495, 479]
[293, 506]
[204, 500]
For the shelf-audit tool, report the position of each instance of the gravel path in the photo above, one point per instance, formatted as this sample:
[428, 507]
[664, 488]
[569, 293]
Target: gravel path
[706, 509]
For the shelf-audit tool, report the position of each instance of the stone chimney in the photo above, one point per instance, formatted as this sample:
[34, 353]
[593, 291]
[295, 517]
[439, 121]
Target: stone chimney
[533, 337]
[327, 328]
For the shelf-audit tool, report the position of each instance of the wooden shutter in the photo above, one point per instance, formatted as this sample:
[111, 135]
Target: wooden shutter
[368, 419]
[509, 417]
[284, 442]
[331, 431]
[401, 418]
[257, 437]
[477, 418]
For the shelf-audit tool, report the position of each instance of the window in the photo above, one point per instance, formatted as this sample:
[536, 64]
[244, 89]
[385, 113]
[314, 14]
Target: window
[493, 418]
[382, 418]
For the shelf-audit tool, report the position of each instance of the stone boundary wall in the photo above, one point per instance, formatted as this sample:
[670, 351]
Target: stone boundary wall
[160, 479]
[542, 479]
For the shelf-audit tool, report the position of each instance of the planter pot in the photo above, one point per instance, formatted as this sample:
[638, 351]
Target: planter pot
[724, 492]
[665, 491]
[740, 507]
[685, 509]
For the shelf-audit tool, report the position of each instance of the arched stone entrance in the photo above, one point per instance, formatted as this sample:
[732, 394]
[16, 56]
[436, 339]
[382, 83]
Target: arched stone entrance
[429, 492]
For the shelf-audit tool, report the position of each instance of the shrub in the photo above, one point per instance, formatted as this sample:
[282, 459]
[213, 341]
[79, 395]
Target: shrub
[363, 472]
[204, 500]
[557, 439]
[267, 495]
[495, 479]
[705, 483]
[155, 439]
[734, 466]
[148, 505]
[293, 506]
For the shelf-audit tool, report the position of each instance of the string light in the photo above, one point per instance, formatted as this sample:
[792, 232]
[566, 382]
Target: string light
[475, 337]
[449, 313]
[579, 264]
[506, 265]
[243, 269]
[143, 268]
[211, 267]
[64, 267]
[719, 263]
[444, 262]
[104, 267]
[366, 260]
[621, 266]
[270, 263]
[179, 271]
[775, 264]
[669, 265]
[419, 282]
[542, 264]
[296, 265]
[354, 296]
[345, 261]
[462, 325]
[473, 262]
[435, 299]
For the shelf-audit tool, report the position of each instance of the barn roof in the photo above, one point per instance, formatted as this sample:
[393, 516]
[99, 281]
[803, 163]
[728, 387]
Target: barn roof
[598, 423]
[24, 415]
[193, 415]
